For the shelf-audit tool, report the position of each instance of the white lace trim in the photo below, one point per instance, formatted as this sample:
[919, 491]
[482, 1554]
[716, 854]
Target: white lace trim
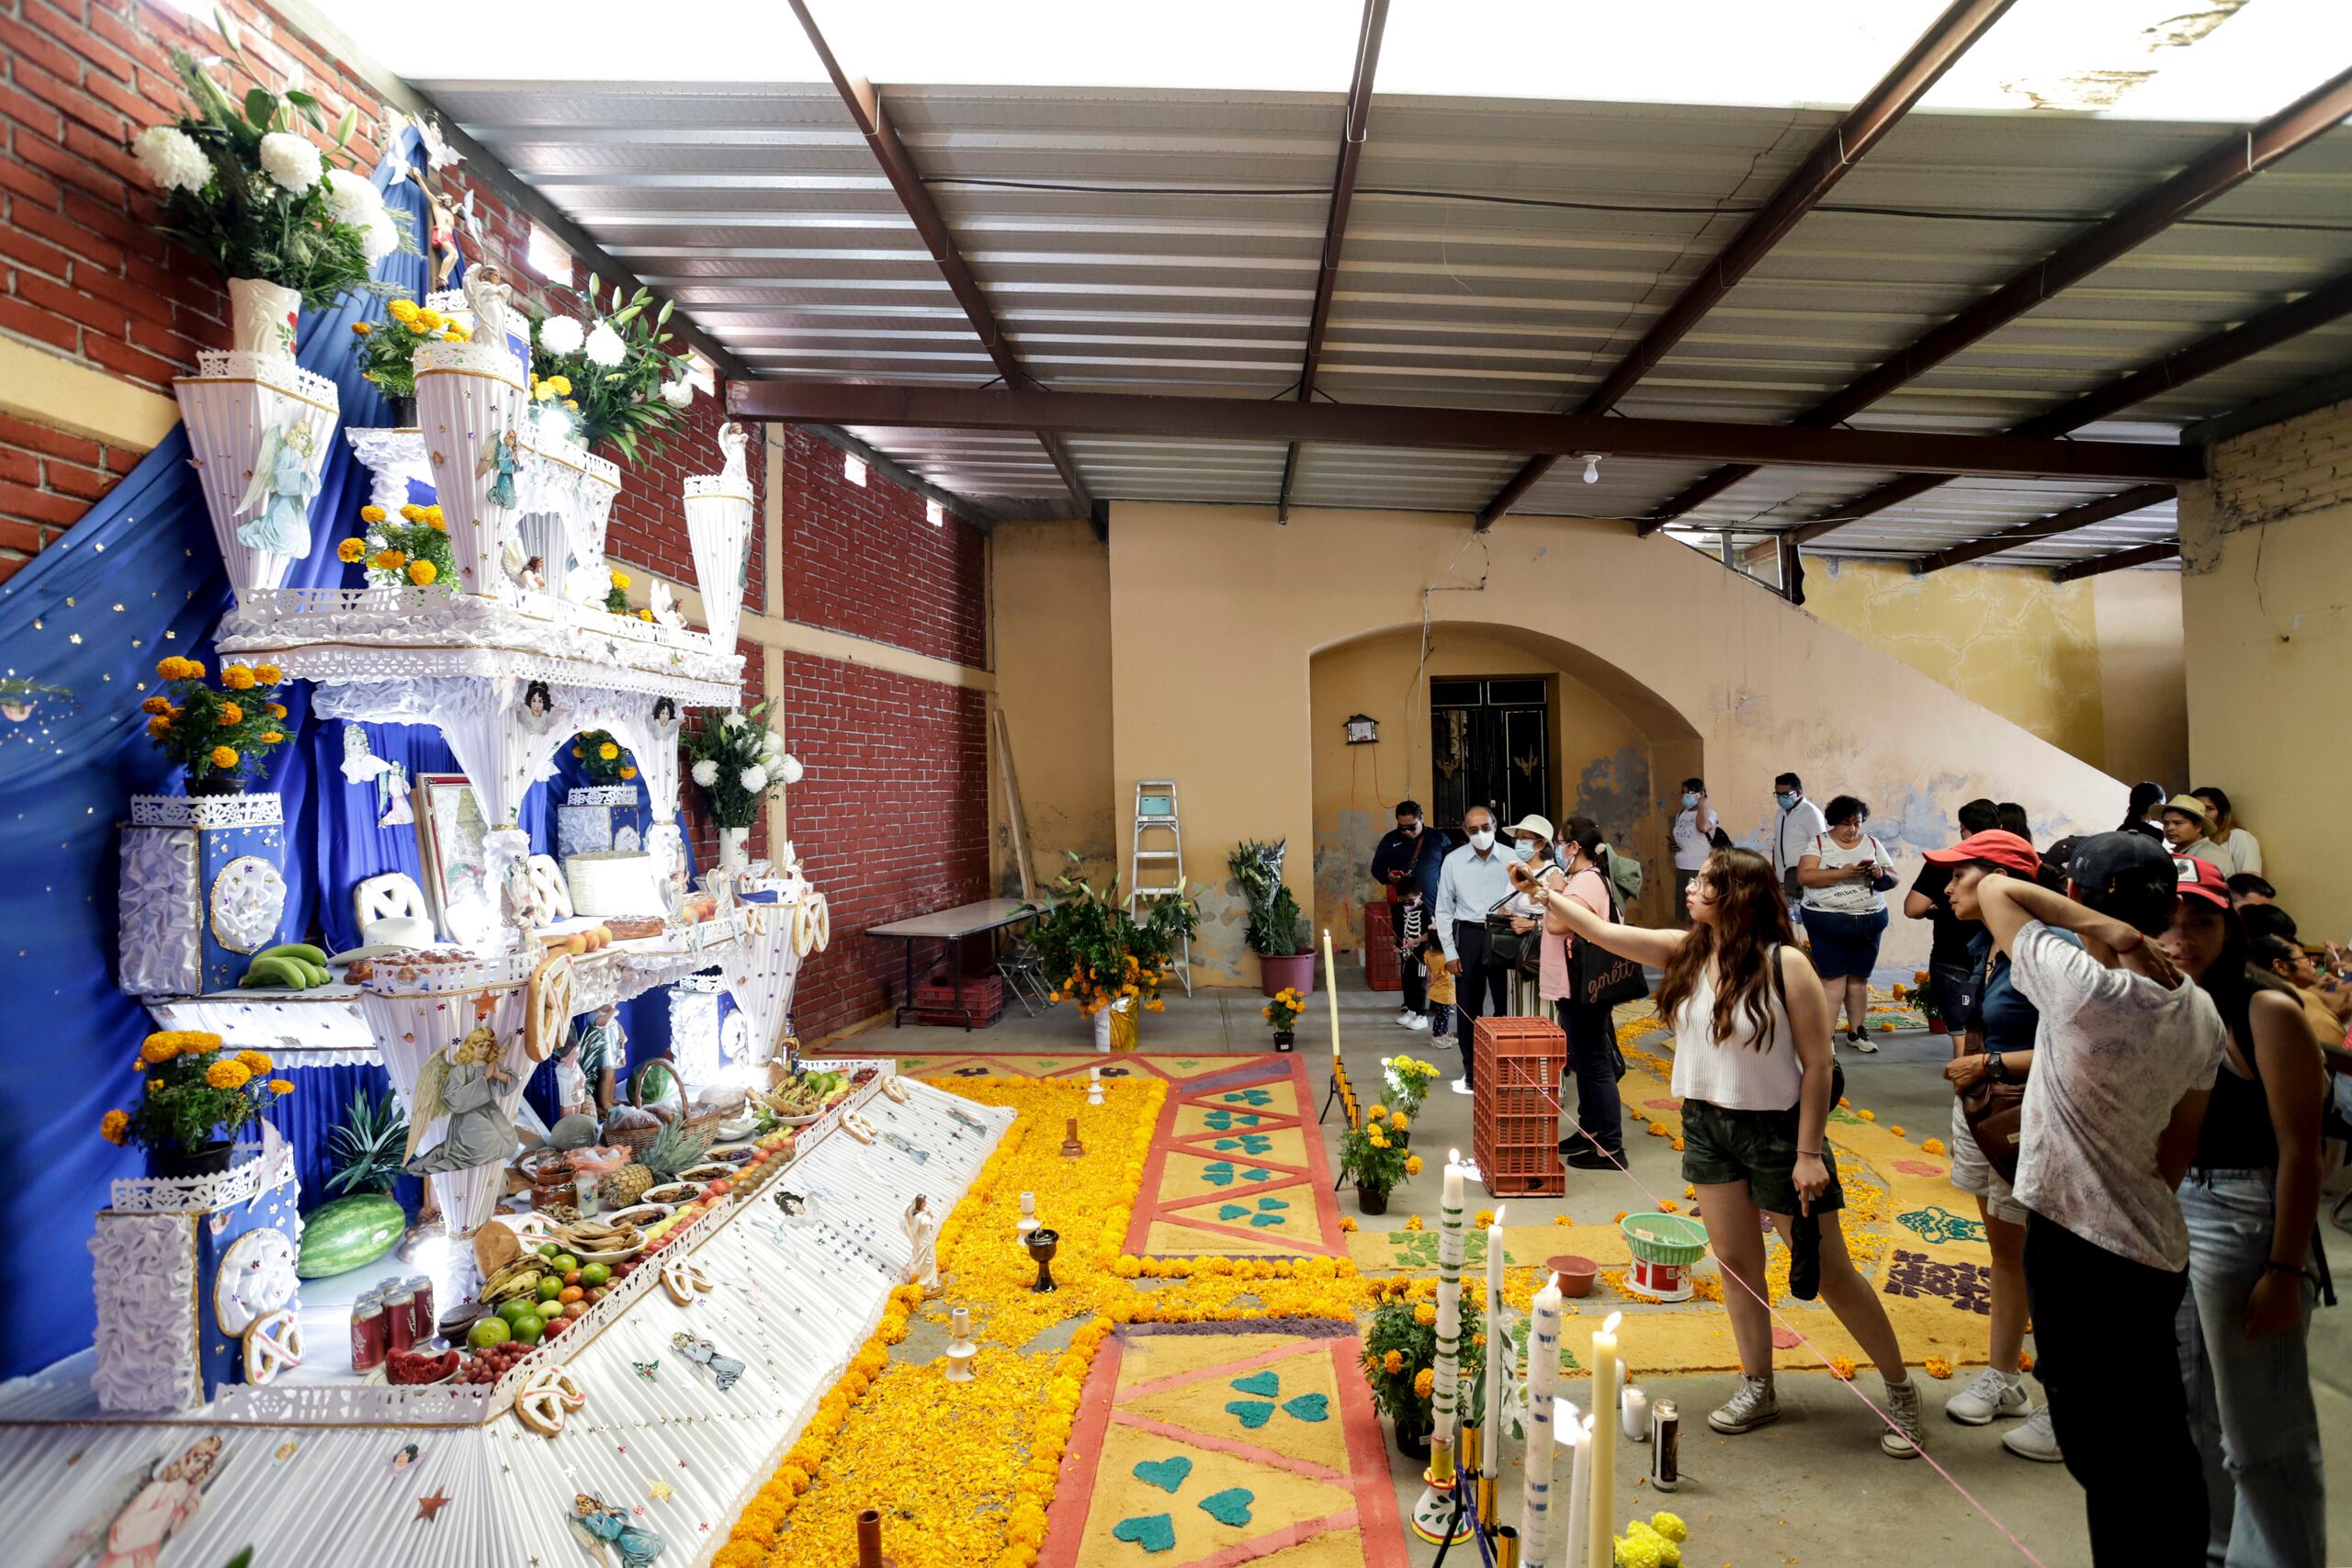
[275, 371]
[203, 1194]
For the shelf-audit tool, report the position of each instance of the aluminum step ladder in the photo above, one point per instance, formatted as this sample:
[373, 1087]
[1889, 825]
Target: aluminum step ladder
[1155, 858]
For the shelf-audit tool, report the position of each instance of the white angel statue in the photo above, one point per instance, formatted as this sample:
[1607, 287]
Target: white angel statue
[665, 605]
[285, 478]
[462, 1083]
[359, 763]
[488, 296]
[922, 1240]
[733, 442]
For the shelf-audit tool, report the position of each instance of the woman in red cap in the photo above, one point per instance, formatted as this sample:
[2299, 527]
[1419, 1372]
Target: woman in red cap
[2251, 1203]
[1992, 1053]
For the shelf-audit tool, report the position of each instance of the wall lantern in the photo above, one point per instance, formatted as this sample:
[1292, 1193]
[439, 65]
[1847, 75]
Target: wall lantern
[1362, 730]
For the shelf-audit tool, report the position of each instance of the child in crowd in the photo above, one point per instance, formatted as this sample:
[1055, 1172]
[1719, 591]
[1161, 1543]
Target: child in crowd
[1413, 931]
[1431, 957]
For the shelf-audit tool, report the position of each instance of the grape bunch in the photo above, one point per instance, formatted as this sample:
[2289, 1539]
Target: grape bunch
[493, 1362]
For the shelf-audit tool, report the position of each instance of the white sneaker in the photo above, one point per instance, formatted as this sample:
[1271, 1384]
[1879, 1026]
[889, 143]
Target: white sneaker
[1462, 1086]
[1417, 1021]
[1753, 1403]
[2035, 1439]
[1904, 1439]
[1994, 1393]
[1405, 1017]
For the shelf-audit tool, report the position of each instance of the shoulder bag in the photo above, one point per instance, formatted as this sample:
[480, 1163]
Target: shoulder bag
[1602, 978]
[1994, 1112]
[1518, 951]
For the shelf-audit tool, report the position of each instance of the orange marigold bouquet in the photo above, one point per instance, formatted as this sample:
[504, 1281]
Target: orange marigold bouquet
[218, 733]
[199, 1094]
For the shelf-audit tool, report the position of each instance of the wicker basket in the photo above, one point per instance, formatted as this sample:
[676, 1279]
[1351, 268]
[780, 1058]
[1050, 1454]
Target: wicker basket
[706, 1117]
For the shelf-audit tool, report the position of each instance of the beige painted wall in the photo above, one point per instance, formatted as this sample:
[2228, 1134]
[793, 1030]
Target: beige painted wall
[1052, 639]
[2012, 639]
[2142, 676]
[2267, 607]
[1215, 614]
[1600, 760]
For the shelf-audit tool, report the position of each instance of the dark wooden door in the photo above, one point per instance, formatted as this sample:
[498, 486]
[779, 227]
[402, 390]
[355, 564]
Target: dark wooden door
[1490, 745]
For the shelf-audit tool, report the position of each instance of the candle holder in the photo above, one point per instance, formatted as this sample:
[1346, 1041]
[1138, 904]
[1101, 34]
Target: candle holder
[1094, 1086]
[1028, 1220]
[869, 1540]
[1441, 1517]
[1471, 1447]
[1071, 1147]
[1488, 1516]
[961, 1351]
[1042, 1244]
[1506, 1546]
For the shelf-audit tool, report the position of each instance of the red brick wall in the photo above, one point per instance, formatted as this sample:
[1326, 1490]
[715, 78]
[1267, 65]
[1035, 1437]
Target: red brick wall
[48, 479]
[891, 819]
[863, 560]
[648, 526]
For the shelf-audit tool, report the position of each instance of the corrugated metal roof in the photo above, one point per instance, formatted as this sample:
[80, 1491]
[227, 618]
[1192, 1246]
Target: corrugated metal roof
[1500, 254]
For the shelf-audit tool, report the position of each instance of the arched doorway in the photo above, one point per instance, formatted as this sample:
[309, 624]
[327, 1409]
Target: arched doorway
[1517, 715]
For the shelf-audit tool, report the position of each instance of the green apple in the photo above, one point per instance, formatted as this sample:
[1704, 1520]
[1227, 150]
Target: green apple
[511, 1310]
[489, 1331]
[549, 1288]
[563, 1263]
[529, 1329]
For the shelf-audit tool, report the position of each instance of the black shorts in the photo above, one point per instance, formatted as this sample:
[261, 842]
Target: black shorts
[1759, 1147]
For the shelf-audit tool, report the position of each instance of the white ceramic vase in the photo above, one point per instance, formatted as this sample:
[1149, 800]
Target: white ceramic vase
[262, 316]
[734, 848]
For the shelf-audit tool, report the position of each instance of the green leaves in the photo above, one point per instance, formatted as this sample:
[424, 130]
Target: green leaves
[261, 106]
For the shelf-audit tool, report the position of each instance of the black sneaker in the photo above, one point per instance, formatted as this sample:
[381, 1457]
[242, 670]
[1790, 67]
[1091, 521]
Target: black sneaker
[1575, 1141]
[1591, 1157]
[1861, 1042]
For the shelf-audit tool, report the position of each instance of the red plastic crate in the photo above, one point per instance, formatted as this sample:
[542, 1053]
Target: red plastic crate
[1514, 1120]
[1380, 946]
[981, 993]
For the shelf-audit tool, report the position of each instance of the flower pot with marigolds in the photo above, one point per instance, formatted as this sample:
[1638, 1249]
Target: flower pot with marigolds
[1374, 1156]
[408, 549]
[1095, 953]
[603, 759]
[196, 1098]
[1282, 1012]
[1400, 1359]
[220, 734]
[386, 351]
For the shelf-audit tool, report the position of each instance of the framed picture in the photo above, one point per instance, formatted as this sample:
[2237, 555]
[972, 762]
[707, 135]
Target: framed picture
[452, 847]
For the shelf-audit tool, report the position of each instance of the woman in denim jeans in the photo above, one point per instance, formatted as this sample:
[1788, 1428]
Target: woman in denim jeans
[2250, 1201]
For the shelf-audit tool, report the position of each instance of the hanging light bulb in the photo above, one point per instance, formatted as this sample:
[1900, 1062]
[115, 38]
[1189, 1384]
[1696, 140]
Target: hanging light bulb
[1592, 469]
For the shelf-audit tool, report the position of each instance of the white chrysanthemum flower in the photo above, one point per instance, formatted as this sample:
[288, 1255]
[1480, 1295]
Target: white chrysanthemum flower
[754, 779]
[732, 720]
[293, 164]
[706, 772]
[770, 742]
[789, 769]
[171, 158]
[678, 394]
[351, 199]
[605, 347]
[562, 335]
[380, 237]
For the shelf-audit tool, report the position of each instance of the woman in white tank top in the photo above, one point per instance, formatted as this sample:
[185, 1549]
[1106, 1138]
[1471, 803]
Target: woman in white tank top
[1753, 1070]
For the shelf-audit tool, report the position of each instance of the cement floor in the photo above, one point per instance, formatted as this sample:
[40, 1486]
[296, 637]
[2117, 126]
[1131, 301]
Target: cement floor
[1813, 1489]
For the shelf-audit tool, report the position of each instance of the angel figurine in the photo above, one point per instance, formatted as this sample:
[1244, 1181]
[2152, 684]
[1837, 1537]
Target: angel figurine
[665, 605]
[922, 1236]
[733, 441]
[599, 1527]
[392, 785]
[152, 1506]
[285, 478]
[724, 1370]
[463, 1083]
[488, 296]
[503, 456]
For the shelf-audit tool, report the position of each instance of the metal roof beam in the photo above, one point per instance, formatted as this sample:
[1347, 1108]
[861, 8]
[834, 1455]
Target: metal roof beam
[2121, 560]
[2100, 511]
[1335, 228]
[2217, 171]
[2267, 330]
[1457, 429]
[873, 120]
[1840, 148]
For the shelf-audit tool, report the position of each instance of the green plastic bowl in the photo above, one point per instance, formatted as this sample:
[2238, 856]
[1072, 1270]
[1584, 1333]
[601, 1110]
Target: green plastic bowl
[1664, 1238]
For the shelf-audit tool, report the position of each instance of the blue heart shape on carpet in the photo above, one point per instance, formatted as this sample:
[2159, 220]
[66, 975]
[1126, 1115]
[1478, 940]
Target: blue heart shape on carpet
[1167, 1474]
[1257, 1176]
[1245, 1120]
[1273, 1203]
[1219, 1121]
[1230, 1506]
[1229, 1142]
[1263, 1221]
[1249, 1097]
[1308, 1407]
[1220, 1164]
[1256, 1144]
[1230, 1211]
[1252, 1413]
[1153, 1532]
[1268, 1383]
[1217, 1178]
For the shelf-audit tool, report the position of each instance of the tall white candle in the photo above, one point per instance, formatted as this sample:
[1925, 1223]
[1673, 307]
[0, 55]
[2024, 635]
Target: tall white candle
[1449, 1302]
[1543, 1376]
[1332, 990]
[1598, 1552]
[1576, 1428]
[1497, 1347]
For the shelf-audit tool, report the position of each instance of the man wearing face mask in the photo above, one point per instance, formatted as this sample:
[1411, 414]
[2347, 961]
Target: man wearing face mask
[1474, 879]
[1406, 864]
[1695, 828]
[1800, 823]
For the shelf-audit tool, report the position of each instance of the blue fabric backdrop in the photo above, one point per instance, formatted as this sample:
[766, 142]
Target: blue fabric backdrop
[137, 579]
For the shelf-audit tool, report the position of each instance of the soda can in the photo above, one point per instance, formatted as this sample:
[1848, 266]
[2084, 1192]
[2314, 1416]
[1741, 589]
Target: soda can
[1665, 1439]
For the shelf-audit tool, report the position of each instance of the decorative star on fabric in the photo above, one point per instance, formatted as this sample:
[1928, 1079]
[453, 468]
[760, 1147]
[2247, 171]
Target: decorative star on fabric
[429, 1508]
[659, 1491]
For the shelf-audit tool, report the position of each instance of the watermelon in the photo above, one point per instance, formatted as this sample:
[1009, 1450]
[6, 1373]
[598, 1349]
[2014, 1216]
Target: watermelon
[349, 1232]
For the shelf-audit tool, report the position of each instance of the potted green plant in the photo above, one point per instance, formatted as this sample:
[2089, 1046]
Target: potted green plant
[197, 1098]
[1101, 956]
[1275, 918]
[1400, 1363]
[1406, 1083]
[386, 352]
[1373, 1157]
[414, 550]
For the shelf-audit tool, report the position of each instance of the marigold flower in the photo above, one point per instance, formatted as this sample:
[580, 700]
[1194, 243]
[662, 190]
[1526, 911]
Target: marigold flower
[255, 1063]
[228, 1075]
[1393, 1362]
[390, 561]
[115, 1126]
[1425, 1382]
[274, 710]
[269, 674]
[230, 714]
[1413, 1223]
[157, 728]
[280, 1086]
[1842, 1368]
[1425, 1314]
[237, 678]
[361, 329]
[351, 549]
[628, 773]
[1937, 1367]
[412, 513]
[1412, 1165]
[401, 310]
[1932, 1146]
[1482, 1219]
[223, 757]
[1867, 1115]
[608, 750]
[428, 319]
[423, 572]
[272, 737]
[157, 705]
[1562, 1220]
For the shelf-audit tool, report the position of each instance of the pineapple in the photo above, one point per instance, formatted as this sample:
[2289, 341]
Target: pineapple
[673, 1150]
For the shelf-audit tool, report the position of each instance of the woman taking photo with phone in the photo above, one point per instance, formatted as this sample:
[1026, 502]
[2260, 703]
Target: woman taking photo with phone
[1752, 1068]
[1845, 873]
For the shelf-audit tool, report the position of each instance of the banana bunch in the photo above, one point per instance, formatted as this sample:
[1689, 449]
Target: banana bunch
[520, 1278]
[599, 1236]
[295, 966]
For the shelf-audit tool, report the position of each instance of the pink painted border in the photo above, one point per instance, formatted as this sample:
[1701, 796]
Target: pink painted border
[1317, 1170]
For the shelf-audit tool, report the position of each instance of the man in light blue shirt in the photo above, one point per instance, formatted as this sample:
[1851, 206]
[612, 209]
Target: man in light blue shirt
[1474, 879]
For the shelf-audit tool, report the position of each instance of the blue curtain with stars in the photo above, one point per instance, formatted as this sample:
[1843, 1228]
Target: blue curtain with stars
[137, 580]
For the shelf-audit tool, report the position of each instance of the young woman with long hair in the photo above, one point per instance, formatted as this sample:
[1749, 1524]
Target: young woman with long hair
[2250, 1201]
[2140, 814]
[1753, 1070]
[2240, 850]
[1598, 1143]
